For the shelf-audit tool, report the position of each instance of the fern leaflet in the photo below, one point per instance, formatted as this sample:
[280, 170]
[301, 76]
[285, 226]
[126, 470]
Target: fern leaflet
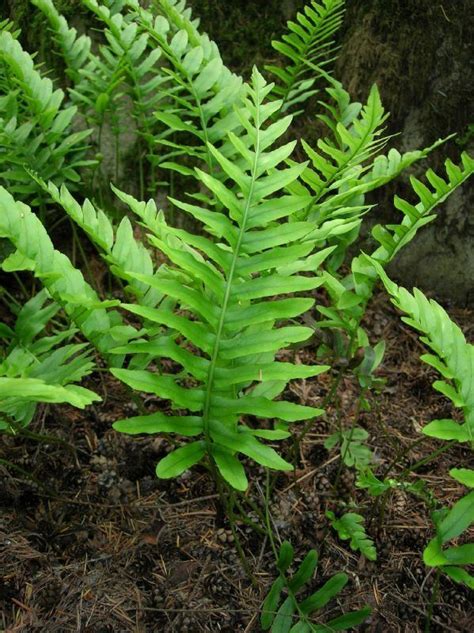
[351, 526]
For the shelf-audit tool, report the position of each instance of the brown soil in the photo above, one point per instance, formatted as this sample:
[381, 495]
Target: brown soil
[91, 541]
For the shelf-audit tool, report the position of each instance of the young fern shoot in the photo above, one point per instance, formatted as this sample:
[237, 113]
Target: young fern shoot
[226, 288]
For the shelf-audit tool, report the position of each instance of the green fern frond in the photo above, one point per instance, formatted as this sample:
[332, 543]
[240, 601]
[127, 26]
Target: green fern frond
[203, 93]
[36, 130]
[350, 294]
[452, 356]
[132, 53]
[357, 137]
[309, 46]
[392, 238]
[36, 368]
[180, 18]
[75, 49]
[351, 526]
[19, 395]
[221, 284]
[65, 283]
[119, 247]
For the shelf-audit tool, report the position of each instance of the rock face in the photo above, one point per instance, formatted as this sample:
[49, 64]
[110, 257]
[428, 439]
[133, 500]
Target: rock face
[419, 53]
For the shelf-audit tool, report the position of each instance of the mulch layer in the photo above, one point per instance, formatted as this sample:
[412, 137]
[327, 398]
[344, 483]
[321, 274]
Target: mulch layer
[91, 541]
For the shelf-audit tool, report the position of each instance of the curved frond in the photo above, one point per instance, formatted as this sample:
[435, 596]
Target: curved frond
[74, 49]
[349, 295]
[36, 367]
[452, 357]
[203, 90]
[358, 134]
[36, 127]
[65, 283]
[450, 354]
[119, 247]
[394, 237]
[350, 527]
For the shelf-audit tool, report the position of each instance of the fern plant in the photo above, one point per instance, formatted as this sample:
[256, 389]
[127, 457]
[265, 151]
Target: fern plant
[36, 128]
[35, 252]
[123, 253]
[222, 303]
[75, 49]
[202, 93]
[351, 526]
[352, 447]
[39, 368]
[220, 284]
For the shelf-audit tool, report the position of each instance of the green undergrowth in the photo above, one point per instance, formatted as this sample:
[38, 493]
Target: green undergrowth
[202, 314]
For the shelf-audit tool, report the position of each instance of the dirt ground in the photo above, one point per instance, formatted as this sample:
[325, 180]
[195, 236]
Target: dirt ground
[91, 541]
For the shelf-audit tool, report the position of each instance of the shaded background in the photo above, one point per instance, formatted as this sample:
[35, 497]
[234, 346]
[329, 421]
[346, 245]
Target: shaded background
[419, 53]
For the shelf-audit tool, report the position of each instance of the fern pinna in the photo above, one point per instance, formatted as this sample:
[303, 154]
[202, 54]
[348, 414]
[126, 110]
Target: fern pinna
[228, 331]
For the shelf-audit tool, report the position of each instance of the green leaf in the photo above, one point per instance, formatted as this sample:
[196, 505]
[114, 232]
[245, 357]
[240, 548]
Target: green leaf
[270, 605]
[460, 555]
[350, 526]
[208, 77]
[460, 575]
[187, 426]
[463, 475]
[305, 571]
[321, 597]
[180, 460]
[250, 446]
[284, 617]
[447, 430]
[450, 392]
[301, 627]
[230, 467]
[285, 556]
[459, 518]
[36, 390]
[346, 621]
[367, 479]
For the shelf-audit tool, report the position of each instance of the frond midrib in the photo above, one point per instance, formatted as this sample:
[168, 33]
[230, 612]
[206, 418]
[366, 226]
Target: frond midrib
[230, 279]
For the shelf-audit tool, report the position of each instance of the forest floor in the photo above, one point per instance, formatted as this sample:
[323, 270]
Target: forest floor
[91, 541]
